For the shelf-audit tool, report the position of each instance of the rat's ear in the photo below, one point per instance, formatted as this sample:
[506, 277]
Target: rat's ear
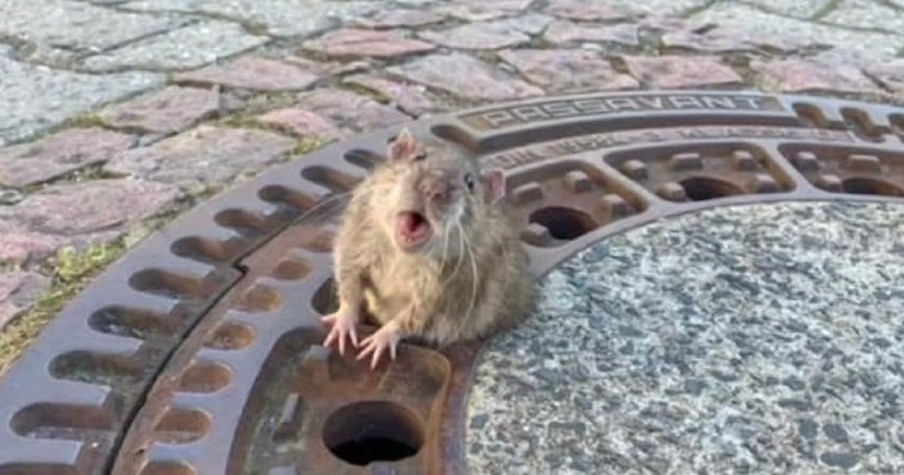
[403, 146]
[494, 184]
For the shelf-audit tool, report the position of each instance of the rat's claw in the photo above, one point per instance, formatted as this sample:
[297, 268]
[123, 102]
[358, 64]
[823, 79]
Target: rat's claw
[386, 338]
[343, 326]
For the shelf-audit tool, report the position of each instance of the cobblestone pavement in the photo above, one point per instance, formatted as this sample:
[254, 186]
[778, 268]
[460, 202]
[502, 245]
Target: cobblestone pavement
[119, 111]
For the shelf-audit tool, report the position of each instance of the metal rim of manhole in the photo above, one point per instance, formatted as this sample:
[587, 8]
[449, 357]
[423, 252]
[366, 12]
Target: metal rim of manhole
[198, 352]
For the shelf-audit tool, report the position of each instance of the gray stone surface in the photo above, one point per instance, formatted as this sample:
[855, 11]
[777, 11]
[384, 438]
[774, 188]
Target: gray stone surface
[58, 154]
[89, 207]
[650, 7]
[561, 32]
[165, 111]
[867, 14]
[567, 71]
[203, 157]
[489, 35]
[764, 339]
[756, 23]
[34, 98]
[17, 290]
[279, 17]
[351, 111]
[65, 29]
[191, 46]
[251, 72]
[802, 9]
[482, 10]
[465, 76]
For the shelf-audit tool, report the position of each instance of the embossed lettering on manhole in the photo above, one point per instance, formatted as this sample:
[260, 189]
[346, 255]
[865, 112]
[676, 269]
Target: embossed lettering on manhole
[199, 353]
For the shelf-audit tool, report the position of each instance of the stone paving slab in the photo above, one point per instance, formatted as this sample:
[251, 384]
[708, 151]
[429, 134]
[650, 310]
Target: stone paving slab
[568, 71]
[191, 46]
[250, 72]
[762, 339]
[34, 98]
[64, 29]
[88, 207]
[58, 154]
[18, 289]
[165, 111]
[752, 21]
[868, 15]
[465, 76]
[802, 9]
[202, 157]
[278, 17]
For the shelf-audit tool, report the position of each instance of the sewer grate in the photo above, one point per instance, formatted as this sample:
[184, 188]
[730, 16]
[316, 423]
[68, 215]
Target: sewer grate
[198, 353]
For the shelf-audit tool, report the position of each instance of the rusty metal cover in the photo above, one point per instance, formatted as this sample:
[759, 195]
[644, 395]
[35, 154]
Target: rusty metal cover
[198, 352]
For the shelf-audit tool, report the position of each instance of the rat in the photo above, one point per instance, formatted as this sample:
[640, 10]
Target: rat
[427, 250]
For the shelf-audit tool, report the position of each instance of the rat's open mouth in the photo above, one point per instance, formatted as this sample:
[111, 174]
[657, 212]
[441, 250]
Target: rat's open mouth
[413, 229]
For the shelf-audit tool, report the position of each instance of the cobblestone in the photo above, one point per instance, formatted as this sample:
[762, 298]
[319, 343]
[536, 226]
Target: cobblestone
[482, 10]
[354, 42]
[351, 111]
[166, 111]
[867, 14]
[754, 23]
[676, 72]
[803, 75]
[564, 32]
[17, 290]
[278, 17]
[567, 70]
[18, 247]
[71, 209]
[803, 9]
[401, 19]
[709, 43]
[58, 154]
[890, 74]
[35, 98]
[187, 47]
[202, 157]
[583, 10]
[63, 30]
[410, 98]
[302, 122]
[251, 72]
[478, 36]
[465, 76]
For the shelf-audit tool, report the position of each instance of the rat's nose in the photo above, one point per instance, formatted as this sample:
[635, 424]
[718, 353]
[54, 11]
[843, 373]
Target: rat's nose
[433, 189]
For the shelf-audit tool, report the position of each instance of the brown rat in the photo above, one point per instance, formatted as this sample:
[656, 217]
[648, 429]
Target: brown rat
[425, 249]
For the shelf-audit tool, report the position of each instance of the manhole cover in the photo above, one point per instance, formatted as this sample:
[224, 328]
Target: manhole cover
[199, 352]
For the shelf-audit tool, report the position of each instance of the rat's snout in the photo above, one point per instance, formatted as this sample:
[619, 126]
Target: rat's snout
[433, 188]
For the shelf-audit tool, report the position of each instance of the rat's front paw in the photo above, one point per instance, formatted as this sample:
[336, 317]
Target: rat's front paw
[343, 327]
[386, 338]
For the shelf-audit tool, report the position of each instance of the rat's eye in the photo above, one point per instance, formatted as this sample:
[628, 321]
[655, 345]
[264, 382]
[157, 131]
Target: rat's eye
[469, 181]
[420, 156]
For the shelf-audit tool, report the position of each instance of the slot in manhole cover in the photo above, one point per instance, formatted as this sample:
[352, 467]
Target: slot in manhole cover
[199, 352]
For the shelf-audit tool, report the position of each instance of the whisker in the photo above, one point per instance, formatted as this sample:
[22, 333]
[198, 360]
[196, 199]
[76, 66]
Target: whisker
[475, 279]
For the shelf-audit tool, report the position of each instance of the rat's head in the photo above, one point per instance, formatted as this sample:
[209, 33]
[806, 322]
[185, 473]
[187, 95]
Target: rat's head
[434, 195]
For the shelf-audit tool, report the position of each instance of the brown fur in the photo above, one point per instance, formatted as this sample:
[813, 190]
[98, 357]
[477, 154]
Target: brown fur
[467, 282]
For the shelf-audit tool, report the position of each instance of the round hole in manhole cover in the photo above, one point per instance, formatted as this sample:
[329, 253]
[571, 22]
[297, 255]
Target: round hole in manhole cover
[871, 186]
[705, 188]
[564, 223]
[199, 352]
[373, 431]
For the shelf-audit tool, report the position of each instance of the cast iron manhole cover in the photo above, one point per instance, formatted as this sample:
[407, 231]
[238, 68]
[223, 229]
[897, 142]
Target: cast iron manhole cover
[199, 352]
